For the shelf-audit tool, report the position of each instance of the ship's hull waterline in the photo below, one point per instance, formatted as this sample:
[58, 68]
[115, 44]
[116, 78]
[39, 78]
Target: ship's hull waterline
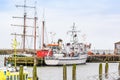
[66, 60]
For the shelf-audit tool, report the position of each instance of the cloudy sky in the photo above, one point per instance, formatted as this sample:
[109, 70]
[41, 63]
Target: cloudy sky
[99, 20]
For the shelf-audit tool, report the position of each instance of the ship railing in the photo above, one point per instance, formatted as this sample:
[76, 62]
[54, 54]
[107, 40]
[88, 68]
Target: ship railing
[111, 76]
[49, 57]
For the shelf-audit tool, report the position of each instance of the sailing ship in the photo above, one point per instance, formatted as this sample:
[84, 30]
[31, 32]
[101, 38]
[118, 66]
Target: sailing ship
[73, 52]
[27, 33]
[22, 54]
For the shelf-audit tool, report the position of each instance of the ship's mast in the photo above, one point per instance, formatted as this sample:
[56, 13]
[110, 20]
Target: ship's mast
[74, 34]
[25, 26]
[24, 30]
[35, 21]
[43, 29]
[43, 25]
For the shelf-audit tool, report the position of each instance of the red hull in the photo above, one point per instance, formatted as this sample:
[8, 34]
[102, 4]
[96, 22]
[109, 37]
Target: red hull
[43, 53]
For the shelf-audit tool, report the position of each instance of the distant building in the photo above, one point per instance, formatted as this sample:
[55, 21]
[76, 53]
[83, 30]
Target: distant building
[117, 48]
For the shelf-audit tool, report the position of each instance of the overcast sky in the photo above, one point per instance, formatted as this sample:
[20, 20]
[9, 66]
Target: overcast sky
[99, 20]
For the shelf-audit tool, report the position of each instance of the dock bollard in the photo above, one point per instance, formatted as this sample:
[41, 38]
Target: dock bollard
[5, 61]
[100, 71]
[64, 72]
[106, 70]
[119, 69]
[74, 72]
[34, 72]
[21, 72]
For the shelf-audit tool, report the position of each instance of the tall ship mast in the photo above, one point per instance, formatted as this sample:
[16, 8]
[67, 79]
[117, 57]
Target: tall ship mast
[25, 25]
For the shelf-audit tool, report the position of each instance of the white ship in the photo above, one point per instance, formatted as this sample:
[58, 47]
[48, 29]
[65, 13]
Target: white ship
[71, 53]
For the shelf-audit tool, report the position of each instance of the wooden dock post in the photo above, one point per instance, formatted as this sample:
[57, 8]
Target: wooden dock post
[5, 61]
[74, 72]
[106, 70]
[64, 72]
[34, 72]
[100, 71]
[21, 72]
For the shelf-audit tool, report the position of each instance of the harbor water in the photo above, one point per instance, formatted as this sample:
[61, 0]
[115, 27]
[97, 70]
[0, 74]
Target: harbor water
[83, 72]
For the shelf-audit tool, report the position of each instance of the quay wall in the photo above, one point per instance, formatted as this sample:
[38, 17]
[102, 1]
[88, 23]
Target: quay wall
[11, 51]
[103, 58]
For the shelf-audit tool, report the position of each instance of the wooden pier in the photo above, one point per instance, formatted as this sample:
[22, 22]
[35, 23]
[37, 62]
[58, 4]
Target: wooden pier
[27, 61]
[11, 51]
[103, 58]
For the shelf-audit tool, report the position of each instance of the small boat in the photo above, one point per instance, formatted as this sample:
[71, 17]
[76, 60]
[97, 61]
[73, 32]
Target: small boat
[70, 53]
[10, 73]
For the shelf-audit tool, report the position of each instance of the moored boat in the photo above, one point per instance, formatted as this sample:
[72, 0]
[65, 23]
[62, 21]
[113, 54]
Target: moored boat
[71, 53]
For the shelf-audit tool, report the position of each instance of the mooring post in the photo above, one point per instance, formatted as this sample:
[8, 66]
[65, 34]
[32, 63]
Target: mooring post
[34, 72]
[100, 71]
[74, 72]
[106, 69]
[5, 61]
[64, 72]
[21, 72]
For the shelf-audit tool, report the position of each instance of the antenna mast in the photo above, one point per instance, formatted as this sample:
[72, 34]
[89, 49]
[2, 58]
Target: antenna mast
[74, 33]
